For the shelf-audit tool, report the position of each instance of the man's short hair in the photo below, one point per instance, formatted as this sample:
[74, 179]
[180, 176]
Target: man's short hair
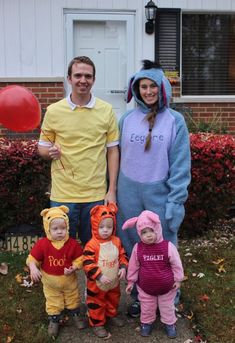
[81, 59]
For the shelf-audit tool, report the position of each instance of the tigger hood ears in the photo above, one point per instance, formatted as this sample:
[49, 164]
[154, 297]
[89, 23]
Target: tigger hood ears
[100, 212]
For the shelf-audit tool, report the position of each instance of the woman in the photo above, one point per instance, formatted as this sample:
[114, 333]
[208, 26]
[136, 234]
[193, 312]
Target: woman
[155, 159]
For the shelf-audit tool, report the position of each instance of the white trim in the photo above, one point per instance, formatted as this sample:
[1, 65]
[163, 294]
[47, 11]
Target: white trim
[73, 106]
[111, 144]
[200, 99]
[32, 79]
[71, 16]
[97, 12]
[45, 143]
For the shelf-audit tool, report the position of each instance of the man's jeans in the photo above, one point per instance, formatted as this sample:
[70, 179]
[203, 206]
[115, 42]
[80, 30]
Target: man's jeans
[79, 218]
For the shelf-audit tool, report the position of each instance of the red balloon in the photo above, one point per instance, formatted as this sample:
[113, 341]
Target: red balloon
[19, 109]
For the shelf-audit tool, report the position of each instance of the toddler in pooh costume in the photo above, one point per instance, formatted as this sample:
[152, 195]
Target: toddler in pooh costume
[54, 260]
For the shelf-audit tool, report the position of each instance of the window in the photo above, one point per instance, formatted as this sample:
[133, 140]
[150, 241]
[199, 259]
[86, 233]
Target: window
[167, 39]
[208, 50]
[208, 54]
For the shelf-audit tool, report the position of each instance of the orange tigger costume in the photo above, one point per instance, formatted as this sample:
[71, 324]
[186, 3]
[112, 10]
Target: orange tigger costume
[103, 257]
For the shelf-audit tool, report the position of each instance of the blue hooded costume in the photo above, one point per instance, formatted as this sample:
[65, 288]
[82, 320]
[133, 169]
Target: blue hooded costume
[154, 179]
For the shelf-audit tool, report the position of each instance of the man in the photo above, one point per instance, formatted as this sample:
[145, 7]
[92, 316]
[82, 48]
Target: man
[80, 135]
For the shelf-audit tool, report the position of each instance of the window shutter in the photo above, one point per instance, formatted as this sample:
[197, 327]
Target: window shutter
[167, 39]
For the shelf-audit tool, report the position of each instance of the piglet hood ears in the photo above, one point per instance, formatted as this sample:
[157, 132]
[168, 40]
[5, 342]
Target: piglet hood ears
[129, 223]
[145, 219]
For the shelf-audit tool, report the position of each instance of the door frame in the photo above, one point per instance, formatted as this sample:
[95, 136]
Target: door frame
[92, 15]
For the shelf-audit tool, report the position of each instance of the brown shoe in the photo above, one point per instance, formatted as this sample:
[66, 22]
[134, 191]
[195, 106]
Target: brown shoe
[100, 331]
[80, 322]
[116, 321]
[53, 329]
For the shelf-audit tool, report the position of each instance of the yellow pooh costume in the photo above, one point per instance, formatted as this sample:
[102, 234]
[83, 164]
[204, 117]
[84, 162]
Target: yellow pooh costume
[51, 257]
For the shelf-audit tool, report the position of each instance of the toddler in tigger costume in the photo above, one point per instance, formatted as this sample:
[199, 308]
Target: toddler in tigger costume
[54, 260]
[105, 264]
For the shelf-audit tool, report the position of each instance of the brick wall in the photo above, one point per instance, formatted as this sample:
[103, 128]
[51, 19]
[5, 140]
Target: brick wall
[46, 93]
[217, 113]
[50, 92]
[221, 113]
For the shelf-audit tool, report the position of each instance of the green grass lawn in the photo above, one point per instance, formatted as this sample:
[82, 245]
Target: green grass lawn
[22, 310]
[207, 294]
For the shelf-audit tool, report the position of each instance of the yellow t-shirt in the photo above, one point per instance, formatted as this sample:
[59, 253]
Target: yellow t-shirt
[83, 135]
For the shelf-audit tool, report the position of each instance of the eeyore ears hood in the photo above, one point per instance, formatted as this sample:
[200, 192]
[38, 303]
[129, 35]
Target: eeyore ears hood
[157, 76]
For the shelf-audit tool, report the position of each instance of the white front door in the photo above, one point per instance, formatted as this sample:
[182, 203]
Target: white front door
[109, 44]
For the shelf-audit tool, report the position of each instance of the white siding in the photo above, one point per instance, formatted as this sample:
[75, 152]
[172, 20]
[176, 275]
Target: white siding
[27, 37]
[73, 3]
[208, 4]
[180, 3]
[32, 32]
[121, 4]
[12, 46]
[57, 38]
[2, 41]
[43, 21]
[225, 5]
[195, 5]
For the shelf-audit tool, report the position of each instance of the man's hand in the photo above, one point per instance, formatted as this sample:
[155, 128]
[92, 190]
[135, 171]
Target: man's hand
[110, 196]
[54, 152]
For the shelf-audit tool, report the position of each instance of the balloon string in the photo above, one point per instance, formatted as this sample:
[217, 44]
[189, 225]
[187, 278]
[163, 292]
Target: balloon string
[52, 143]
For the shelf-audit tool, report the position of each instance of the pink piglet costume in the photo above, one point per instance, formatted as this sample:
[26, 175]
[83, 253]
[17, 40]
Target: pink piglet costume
[154, 268]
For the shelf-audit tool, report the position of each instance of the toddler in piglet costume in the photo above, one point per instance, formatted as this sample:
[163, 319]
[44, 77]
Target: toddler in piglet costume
[156, 269]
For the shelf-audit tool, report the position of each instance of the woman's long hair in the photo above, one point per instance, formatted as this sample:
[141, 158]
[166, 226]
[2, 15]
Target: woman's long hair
[150, 117]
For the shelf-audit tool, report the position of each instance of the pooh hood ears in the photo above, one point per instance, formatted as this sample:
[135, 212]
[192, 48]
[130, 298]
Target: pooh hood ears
[100, 212]
[156, 75]
[49, 214]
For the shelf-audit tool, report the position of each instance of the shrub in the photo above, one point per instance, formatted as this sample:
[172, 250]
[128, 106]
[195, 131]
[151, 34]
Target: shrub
[214, 125]
[211, 192]
[24, 179]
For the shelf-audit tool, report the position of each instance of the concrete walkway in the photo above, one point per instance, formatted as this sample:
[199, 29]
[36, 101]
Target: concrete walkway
[127, 334]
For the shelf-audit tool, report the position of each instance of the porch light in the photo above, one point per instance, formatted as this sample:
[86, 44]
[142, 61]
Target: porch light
[150, 13]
